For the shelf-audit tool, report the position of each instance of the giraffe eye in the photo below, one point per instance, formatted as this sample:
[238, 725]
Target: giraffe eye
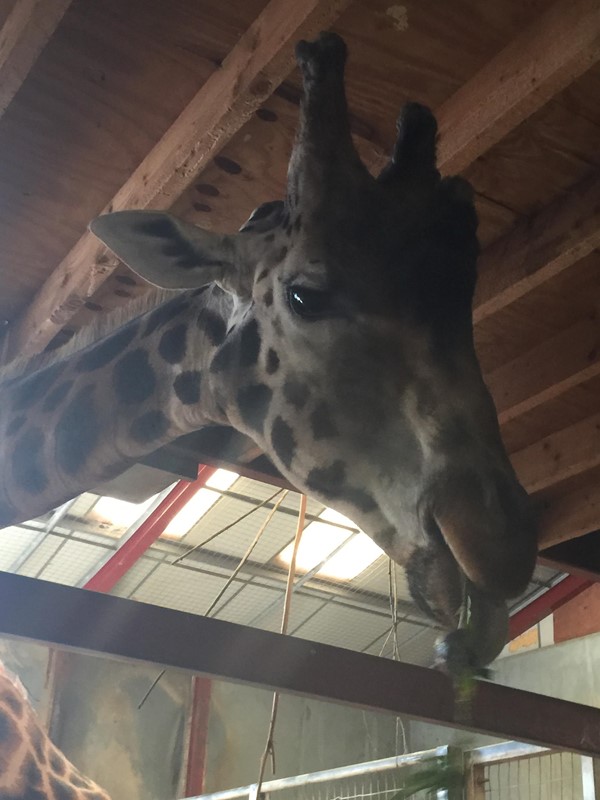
[309, 303]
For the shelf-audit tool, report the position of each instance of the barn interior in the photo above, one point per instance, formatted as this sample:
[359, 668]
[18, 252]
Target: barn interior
[192, 106]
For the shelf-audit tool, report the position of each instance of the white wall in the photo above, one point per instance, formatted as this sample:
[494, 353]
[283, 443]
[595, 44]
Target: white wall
[569, 671]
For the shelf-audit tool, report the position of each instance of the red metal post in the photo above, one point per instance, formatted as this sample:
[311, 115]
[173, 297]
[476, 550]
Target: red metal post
[149, 531]
[548, 602]
[198, 738]
[119, 564]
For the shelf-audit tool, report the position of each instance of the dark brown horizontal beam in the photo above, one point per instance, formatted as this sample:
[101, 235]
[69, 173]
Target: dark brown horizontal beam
[569, 511]
[579, 556]
[100, 624]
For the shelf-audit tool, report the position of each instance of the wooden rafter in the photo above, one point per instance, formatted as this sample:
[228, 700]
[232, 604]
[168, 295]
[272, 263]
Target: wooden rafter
[27, 29]
[561, 455]
[539, 63]
[558, 47]
[547, 371]
[253, 69]
[568, 514]
[537, 249]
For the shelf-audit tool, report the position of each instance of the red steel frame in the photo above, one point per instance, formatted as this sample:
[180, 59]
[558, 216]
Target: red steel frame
[198, 736]
[548, 602]
[106, 578]
[149, 531]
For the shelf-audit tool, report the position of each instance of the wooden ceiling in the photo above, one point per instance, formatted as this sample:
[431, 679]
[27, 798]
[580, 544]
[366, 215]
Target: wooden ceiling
[192, 104]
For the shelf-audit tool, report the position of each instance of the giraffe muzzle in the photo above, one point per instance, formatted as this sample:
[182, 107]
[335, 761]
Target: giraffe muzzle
[486, 521]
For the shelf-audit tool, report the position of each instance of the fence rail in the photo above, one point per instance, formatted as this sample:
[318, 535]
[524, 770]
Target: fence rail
[340, 782]
[505, 771]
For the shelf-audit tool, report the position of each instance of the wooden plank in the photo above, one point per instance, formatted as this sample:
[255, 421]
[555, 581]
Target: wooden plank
[215, 114]
[545, 58]
[547, 371]
[576, 557]
[25, 32]
[559, 456]
[539, 160]
[475, 782]
[539, 248]
[250, 73]
[570, 513]
[71, 618]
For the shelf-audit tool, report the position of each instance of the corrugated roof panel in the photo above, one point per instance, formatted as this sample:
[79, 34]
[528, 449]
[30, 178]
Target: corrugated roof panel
[83, 504]
[75, 560]
[420, 649]
[262, 491]
[302, 607]
[415, 644]
[344, 627]
[237, 539]
[40, 555]
[376, 579]
[245, 603]
[224, 512]
[15, 542]
[543, 574]
[186, 590]
[135, 576]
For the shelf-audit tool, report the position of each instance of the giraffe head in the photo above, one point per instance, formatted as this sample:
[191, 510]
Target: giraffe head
[349, 354]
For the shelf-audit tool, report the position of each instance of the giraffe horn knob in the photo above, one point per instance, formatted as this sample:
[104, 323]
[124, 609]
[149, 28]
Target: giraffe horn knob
[414, 152]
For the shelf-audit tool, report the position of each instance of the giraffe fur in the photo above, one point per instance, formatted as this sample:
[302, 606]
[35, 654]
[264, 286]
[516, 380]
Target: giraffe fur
[31, 766]
[335, 329]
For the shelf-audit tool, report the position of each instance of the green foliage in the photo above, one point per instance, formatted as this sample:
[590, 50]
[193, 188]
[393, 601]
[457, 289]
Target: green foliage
[437, 776]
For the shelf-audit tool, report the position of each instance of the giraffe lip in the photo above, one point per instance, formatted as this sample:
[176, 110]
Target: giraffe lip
[486, 523]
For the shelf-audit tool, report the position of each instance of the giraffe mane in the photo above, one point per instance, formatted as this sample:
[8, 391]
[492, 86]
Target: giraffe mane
[101, 327]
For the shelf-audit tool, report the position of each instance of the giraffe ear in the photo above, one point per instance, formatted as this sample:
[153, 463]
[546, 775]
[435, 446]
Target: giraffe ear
[170, 253]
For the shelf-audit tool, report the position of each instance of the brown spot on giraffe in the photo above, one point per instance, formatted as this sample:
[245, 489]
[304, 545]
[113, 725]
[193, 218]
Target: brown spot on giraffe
[30, 765]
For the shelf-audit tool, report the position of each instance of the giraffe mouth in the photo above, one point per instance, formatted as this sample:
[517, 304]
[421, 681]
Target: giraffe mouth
[476, 618]
[486, 522]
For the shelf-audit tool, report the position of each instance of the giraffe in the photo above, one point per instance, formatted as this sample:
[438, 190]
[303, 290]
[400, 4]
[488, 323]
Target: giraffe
[31, 767]
[334, 329]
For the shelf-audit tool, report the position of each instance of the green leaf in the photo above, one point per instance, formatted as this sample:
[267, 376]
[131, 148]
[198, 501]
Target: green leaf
[431, 779]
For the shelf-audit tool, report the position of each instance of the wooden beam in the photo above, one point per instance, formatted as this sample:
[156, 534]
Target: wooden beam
[559, 456]
[570, 513]
[27, 29]
[546, 371]
[577, 557]
[560, 45]
[539, 248]
[69, 618]
[546, 57]
[250, 73]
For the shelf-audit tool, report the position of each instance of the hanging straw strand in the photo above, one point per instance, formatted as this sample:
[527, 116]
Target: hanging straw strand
[247, 554]
[270, 745]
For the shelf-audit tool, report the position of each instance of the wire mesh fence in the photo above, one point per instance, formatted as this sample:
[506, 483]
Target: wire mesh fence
[383, 779]
[508, 771]
[520, 772]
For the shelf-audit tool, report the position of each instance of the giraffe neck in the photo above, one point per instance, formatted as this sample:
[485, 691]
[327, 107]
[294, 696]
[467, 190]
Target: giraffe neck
[30, 765]
[86, 417]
